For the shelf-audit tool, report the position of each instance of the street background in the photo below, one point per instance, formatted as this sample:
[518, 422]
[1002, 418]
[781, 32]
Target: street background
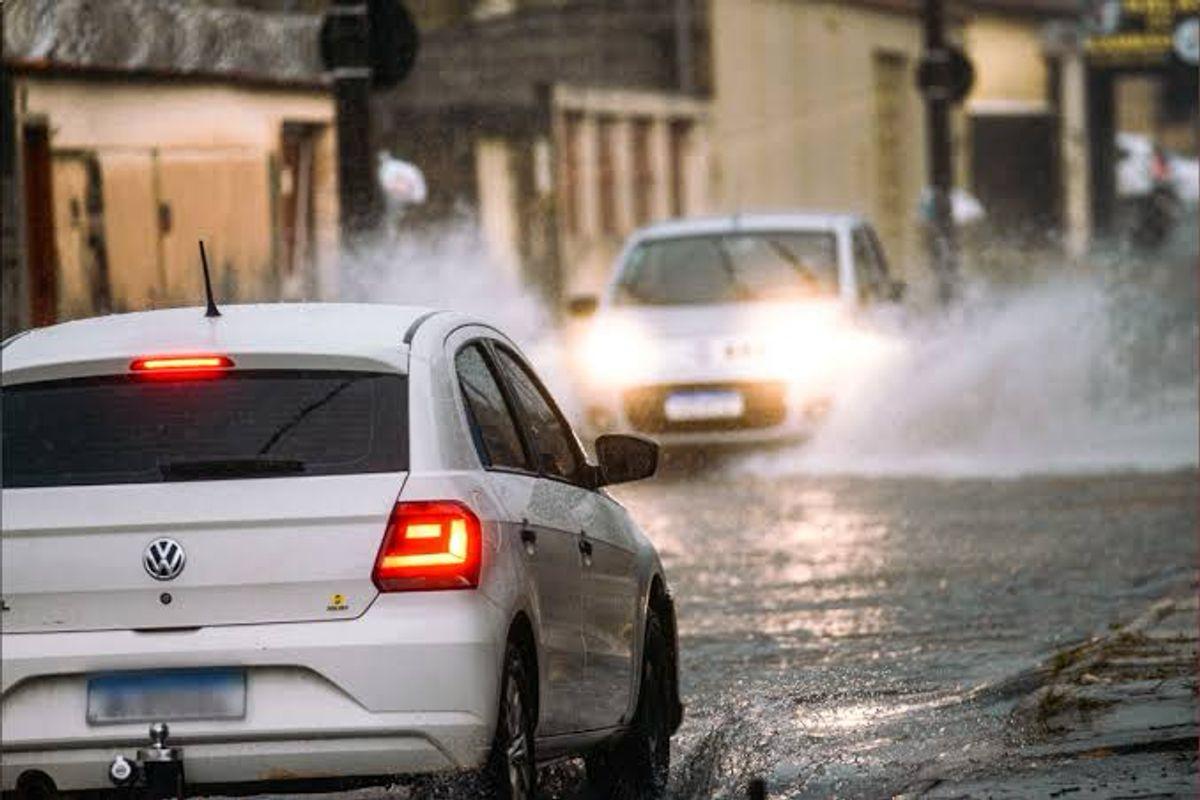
[892, 608]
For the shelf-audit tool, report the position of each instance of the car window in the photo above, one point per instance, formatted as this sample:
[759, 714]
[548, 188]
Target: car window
[549, 435]
[881, 262]
[492, 423]
[728, 268]
[249, 423]
[866, 267]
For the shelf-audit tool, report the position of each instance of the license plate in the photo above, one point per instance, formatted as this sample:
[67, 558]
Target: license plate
[168, 695]
[688, 406]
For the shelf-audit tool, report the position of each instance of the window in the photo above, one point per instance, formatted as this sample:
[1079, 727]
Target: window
[866, 269]
[680, 135]
[607, 129]
[730, 268]
[572, 127]
[549, 435]
[249, 423]
[643, 171]
[881, 261]
[492, 425]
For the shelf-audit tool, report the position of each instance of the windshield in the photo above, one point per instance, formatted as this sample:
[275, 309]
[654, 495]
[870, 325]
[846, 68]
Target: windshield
[253, 423]
[730, 268]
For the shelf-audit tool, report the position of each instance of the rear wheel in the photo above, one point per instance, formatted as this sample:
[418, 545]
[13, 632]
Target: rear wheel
[511, 772]
[637, 767]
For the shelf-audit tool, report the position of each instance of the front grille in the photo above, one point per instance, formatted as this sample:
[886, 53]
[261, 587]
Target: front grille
[765, 406]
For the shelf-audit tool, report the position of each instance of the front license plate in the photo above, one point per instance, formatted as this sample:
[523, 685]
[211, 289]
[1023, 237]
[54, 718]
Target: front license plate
[688, 406]
[167, 695]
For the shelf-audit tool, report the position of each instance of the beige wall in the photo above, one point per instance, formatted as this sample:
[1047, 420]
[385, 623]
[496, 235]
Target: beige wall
[1136, 99]
[1010, 68]
[796, 113]
[495, 181]
[211, 153]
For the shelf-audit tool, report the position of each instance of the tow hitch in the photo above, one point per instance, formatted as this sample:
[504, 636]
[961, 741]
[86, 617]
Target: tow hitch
[157, 773]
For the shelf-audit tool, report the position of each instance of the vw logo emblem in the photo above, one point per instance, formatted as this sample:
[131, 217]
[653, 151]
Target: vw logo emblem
[164, 559]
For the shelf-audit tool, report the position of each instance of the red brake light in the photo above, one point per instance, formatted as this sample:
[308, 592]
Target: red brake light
[429, 545]
[176, 365]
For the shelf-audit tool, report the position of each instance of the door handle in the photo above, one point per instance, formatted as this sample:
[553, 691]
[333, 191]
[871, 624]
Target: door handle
[529, 538]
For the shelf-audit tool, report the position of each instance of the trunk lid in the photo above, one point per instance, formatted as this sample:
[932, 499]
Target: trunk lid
[256, 551]
[177, 501]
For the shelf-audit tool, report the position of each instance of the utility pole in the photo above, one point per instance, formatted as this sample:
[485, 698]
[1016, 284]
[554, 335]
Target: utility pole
[939, 95]
[350, 64]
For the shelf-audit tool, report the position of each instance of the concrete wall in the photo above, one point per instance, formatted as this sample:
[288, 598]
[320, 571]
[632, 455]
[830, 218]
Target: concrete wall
[797, 105]
[208, 154]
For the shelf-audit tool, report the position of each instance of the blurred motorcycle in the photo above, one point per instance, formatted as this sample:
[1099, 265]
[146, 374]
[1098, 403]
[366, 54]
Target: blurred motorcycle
[1158, 211]
[1155, 185]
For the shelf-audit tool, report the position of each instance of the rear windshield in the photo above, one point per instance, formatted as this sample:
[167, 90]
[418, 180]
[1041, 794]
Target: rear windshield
[760, 265]
[249, 423]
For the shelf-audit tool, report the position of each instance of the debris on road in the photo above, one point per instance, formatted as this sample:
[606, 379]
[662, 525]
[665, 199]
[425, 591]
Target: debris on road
[1114, 716]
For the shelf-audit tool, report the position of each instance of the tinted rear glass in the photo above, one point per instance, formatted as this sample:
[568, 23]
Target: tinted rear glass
[250, 423]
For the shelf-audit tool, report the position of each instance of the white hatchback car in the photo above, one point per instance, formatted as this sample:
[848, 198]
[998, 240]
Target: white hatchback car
[729, 329]
[319, 541]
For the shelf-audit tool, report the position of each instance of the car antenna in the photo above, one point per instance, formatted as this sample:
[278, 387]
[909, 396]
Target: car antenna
[212, 310]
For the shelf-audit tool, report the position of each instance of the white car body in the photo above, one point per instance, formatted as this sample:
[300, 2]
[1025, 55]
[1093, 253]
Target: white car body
[341, 678]
[776, 356]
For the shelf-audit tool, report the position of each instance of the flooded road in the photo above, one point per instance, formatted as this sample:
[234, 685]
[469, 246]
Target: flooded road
[835, 632]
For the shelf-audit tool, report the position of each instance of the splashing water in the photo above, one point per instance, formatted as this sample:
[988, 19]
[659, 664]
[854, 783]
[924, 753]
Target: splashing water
[448, 266]
[1079, 375]
[1083, 373]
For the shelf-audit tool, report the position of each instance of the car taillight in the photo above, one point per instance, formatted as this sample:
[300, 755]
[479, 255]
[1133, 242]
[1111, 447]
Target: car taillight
[181, 365]
[429, 545]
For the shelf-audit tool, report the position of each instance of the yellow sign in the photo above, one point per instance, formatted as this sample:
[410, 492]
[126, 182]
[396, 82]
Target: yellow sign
[1140, 32]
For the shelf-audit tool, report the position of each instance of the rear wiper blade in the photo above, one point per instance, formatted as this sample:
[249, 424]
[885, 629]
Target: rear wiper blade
[229, 468]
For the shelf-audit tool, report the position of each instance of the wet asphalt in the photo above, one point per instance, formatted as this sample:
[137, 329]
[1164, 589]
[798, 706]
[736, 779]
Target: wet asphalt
[852, 637]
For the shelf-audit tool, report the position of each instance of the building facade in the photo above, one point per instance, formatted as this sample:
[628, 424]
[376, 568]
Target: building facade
[215, 126]
[815, 106]
[563, 126]
[1012, 120]
[775, 104]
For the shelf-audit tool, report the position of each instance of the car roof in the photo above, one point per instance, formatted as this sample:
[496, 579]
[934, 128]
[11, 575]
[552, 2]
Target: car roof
[374, 335]
[756, 221]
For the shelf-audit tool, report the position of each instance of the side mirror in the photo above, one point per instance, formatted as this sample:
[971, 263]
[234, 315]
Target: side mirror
[625, 458]
[896, 290]
[583, 306]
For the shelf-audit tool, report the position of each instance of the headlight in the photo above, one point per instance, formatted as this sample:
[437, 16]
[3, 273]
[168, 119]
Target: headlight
[615, 352]
[798, 344]
[815, 348]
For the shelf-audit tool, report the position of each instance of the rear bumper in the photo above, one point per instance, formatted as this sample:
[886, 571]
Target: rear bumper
[242, 762]
[410, 686]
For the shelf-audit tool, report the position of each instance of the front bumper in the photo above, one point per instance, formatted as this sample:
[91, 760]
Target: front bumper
[773, 412]
[410, 686]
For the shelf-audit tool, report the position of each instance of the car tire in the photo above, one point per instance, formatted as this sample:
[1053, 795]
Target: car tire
[511, 772]
[637, 766]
